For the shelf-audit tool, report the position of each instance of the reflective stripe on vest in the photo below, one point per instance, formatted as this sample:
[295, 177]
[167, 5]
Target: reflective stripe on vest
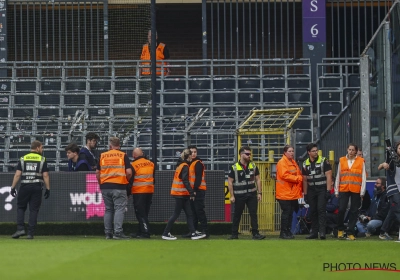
[243, 186]
[350, 180]
[32, 165]
[318, 179]
[143, 181]
[159, 56]
[178, 188]
[112, 168]
[192, 176]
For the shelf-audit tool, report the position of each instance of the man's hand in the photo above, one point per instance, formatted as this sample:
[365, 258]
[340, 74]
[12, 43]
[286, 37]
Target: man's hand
[46, 194]
[13, 192]
[232, 199]
[259, 197]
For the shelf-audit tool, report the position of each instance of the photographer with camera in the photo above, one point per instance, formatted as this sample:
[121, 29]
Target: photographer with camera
[317, 182]
[392, 167]
[350, 184]
[369, 222]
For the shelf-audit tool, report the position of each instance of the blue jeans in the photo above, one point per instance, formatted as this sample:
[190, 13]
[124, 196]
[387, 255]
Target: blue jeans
[369, 227]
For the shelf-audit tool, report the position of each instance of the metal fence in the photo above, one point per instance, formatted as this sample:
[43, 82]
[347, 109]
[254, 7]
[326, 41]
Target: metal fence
[60, 101]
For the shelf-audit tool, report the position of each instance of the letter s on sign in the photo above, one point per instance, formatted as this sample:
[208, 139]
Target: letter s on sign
[314, 6]
[314, 30]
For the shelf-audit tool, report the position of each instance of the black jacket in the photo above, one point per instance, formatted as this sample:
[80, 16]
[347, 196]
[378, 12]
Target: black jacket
[382, 208]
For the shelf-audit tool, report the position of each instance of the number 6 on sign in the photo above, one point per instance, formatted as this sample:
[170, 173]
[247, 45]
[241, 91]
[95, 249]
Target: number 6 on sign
[314, 30]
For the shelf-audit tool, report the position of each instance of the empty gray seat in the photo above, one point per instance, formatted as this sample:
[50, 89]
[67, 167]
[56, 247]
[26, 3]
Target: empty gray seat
[274, 97]
[273, 82]
[25, 86]
[223, 97]
[299, 97]
[173, 98]
[249, 82]
[249, 96]
[174, 83]
[330, 81]
[330, 96]
[224, 82]
[100, 86]
[124, 98]
[199, 96]
[24, 99]
[303, 136]
[354, 80]
[298, 81]
[5, 86]
[50, 85]
[51, 99]
[75, 84]
[74, 99]
[330, 108]
[199, 82]
[125, 84]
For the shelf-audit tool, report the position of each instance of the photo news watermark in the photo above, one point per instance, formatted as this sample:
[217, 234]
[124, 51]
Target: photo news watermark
[347, 266]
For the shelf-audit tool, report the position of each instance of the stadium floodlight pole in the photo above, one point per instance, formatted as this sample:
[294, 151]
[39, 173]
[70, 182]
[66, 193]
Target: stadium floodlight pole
[153, 84]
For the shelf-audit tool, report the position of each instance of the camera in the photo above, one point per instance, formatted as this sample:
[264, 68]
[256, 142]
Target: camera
[363, 219]
[392, 153]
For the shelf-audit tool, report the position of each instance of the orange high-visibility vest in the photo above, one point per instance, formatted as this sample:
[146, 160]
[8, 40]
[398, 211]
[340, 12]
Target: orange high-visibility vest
[143, 182]
[112, 167]
[350, 179]
[192, 176]
[159, 56]
[289, 181]
[178, 188]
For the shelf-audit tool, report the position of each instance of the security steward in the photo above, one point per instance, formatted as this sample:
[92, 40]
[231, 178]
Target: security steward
[198, 183]
[113, 174]
[162, 53]
[317, 183]
[245, 188]
[33, 172]
[142, 191]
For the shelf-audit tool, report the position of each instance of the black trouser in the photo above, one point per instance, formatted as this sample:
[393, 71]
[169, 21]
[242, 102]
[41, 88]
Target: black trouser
[141, 204]
[32, 195]
[288, 207]
[317, 202]
[394, 213]
[181, 203]
[199, 215]
[355, 201]
[249, 199]
[331, 220]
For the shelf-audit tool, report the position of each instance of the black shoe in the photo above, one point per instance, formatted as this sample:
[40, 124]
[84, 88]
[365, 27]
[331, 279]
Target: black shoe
[285, 235]
[134, 235]
[258, 236]
[233, 236]
[18, 233]
[109, 236]
[187, 235]
[29, 236]
[120, 236]
[312, 236]
[322, 236]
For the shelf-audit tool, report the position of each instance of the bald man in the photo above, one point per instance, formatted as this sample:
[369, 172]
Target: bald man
[142, 191]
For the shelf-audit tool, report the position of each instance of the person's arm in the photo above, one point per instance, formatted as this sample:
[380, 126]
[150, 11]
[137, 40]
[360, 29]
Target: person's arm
[364, 181]
[259, 187]
[328, 175]
[98, 176]
[198, 173]
[16, 178]
[337, 181]
[305, 185]
[283, 172]
[230, 188]
[128, 167]
[46, 180]
[185, 179]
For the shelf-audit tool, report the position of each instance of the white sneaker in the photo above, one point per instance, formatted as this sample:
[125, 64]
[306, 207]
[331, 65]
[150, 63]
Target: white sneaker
[169, 236]
[196, 236]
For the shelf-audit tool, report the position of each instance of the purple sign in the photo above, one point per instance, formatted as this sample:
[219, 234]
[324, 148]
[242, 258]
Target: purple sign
[314, 21]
